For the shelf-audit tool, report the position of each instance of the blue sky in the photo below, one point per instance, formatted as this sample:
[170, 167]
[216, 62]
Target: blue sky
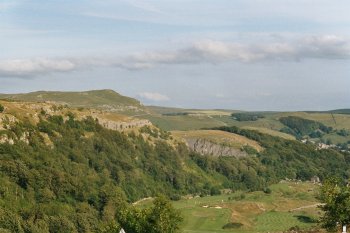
[234, 54]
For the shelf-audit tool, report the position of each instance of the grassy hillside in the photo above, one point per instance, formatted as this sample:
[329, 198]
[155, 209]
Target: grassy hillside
[268, 123]
[341, 111]
[183, 122]
[192, 119]
[174, 111]
[99, 99]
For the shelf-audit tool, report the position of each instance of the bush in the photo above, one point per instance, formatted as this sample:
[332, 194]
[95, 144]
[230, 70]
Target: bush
[267, 190]
[242, 196]
[215, 191]
[232, 225]
[2, 108]
[175, 197]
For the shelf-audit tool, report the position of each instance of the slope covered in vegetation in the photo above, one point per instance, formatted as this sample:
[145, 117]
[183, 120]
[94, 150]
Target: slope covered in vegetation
[60, 173]
[300, 127]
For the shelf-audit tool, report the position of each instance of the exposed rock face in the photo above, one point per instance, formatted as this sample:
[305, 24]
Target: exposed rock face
[6, 120]
[6, 139]
[121, 125]
[206, 147]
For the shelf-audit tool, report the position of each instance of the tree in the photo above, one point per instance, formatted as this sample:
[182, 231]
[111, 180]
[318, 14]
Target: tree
[162, 217]
[159, 218]
[336, 198]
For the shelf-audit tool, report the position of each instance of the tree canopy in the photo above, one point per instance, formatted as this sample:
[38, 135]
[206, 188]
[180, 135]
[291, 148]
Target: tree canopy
[336, 198]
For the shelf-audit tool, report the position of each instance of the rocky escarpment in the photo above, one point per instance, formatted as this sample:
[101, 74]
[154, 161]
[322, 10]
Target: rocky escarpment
[121, 125]
[206, 147]
[14, 113]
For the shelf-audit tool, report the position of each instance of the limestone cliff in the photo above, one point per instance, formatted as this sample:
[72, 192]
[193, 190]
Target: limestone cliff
[206, 147]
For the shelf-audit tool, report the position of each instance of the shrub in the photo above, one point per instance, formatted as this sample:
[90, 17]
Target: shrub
[267, 190]
[215, 191]
[175, 197]
[232, 225]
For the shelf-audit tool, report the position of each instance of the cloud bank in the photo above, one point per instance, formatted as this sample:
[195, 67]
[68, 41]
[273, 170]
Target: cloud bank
[36, 66]
[328, 47]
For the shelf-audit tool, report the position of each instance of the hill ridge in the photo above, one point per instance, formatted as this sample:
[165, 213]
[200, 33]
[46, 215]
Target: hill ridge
[104, 99]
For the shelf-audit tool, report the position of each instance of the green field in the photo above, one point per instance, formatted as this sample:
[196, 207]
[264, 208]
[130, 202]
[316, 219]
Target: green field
[257, 211]
[289, 205]
[183, 122]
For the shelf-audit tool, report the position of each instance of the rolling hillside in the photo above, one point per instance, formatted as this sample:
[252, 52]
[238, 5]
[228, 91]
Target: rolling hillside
[107, 100]
[269, 122]
[75, 168]
[169, 119]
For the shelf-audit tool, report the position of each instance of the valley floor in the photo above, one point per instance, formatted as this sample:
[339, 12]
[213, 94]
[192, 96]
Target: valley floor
[289, 205]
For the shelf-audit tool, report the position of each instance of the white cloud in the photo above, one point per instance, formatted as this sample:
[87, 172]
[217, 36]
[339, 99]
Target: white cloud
[327, 47]
[153, 96]
[209, 51]
[30, 67]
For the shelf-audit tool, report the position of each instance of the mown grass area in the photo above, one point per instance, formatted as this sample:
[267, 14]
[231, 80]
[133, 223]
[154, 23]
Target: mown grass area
[273, 221]
[290, 204]
[253, 212]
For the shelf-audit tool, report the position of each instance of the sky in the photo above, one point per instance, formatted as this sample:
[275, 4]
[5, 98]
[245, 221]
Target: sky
[271, 55]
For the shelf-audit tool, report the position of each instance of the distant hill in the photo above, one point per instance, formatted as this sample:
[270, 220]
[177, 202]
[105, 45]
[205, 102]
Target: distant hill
[107, 100]
[335, 111]
[341, 111]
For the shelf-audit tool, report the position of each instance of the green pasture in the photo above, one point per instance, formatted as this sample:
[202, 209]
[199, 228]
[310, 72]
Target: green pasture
[256, 211]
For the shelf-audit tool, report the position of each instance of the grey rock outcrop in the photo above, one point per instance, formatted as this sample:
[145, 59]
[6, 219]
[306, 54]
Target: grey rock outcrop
[206, 147]
[121, 125]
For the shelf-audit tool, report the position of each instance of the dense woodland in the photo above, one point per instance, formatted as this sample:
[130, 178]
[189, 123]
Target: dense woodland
[293, 159]
[245, 116]
[84, 180]
[300, 127]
